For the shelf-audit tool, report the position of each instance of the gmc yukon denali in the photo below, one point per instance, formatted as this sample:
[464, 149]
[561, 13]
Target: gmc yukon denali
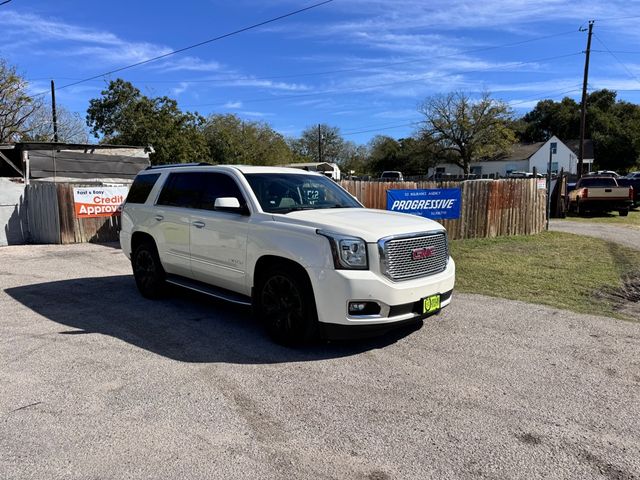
[304, 253]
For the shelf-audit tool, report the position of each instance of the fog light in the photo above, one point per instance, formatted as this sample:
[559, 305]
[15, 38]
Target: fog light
[364, 308]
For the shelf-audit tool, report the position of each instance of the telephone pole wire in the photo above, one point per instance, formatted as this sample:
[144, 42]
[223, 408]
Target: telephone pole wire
[583, 109]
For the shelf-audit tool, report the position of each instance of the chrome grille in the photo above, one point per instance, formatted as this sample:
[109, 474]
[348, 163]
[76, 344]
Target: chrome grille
[397, 259]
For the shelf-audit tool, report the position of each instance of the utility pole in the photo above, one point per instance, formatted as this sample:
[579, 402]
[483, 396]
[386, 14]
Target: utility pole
[319, 145]
[53, 111]
[583, 110]
[552, 150]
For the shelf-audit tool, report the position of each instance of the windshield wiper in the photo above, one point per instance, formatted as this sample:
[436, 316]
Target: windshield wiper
[293, 209]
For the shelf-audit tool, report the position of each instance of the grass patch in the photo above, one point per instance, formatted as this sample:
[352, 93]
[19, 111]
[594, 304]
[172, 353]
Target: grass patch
[631, 220]
[558, 269]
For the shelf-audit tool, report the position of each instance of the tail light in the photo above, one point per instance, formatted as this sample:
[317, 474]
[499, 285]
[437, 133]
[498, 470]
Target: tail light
[630, 193]
[585, 193]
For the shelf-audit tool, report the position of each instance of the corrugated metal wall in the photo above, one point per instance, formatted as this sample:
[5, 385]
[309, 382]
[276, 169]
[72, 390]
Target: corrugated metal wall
[42, 207]
[51, 217]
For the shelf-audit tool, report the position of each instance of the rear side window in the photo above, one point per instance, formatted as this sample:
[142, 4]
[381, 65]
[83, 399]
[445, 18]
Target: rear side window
[141, 188]
[218, 185]
[182, 190]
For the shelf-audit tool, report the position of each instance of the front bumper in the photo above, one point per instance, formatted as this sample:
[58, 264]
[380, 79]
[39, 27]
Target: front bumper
[334, 289]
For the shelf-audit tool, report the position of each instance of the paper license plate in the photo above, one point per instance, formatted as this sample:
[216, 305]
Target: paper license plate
[431, 304]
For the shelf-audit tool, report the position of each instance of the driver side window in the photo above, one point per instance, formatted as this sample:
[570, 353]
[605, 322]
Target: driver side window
[218, 185]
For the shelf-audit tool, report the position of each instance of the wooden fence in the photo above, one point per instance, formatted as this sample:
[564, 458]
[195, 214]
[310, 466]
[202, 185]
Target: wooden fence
[490, 208]
[52, 217]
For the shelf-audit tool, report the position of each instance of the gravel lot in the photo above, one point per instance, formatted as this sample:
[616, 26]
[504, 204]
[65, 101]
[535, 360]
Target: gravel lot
[99, 383]
[629, 235]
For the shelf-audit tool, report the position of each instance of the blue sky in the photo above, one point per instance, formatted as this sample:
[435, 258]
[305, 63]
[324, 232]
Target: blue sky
[361, 65]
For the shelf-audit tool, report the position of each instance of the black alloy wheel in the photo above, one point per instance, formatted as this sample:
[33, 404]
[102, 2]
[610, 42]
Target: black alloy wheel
[148, 271]
[286, 305]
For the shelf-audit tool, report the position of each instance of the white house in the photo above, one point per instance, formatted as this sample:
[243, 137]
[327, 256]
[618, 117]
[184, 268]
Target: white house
[524, 157]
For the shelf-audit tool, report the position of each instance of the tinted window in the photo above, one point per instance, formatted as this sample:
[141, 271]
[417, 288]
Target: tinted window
[598, 182]
[141, 188]
[217, 185]
[182, 190]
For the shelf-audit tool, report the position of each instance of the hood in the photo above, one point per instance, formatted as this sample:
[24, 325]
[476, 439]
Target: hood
[368, 224]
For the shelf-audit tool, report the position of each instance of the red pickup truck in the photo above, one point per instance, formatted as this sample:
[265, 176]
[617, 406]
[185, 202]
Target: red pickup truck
[601, 194]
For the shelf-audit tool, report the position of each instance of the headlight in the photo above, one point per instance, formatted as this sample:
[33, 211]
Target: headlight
[348, 252]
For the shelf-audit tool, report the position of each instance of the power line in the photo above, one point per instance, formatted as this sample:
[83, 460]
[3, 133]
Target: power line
[631, 74]
[5, 2]
[347, 70]
[412, 124]
[195, 45]
[386, 84]
[617, 51]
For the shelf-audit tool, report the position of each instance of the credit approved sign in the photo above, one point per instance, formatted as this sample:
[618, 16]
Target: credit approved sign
[436, 203]
[93, 202]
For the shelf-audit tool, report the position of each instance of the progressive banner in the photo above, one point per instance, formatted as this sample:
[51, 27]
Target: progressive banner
[436, 203]
[91, 202]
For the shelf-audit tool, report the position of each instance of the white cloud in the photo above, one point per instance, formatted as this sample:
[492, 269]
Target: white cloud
[232, 105]
[181, 88]
[255, 114]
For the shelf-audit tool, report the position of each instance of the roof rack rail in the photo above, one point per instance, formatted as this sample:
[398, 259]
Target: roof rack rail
[172, 165]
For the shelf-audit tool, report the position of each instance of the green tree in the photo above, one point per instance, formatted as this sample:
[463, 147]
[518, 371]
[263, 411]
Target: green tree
[411, 155]
[232, 140]
[355, 159]
[466, 128]
[548, 118]
[384, 154]
[614, 127]
[123, 115]
[16, 106]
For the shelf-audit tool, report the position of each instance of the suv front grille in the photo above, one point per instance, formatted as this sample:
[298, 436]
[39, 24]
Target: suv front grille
[414, 256]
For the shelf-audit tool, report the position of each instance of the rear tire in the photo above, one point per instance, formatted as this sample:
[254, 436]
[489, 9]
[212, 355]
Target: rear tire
[148, 271]
[624, 212]
[284, 302]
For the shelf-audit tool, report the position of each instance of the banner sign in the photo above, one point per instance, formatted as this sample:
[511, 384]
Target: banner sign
[91, 202]
[436, 204]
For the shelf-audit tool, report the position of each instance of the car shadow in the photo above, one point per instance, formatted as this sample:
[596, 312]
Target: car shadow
[184, 326]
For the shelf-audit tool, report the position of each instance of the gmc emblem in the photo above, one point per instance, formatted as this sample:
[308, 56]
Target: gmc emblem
[422, 253]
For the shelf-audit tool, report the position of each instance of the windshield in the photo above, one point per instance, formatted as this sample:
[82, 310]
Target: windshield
[288, 192]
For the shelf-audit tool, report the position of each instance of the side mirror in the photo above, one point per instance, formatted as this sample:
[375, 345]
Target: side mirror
[230, 204]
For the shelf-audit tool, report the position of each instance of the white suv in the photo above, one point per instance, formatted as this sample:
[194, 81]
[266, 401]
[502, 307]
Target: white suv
[307, 256]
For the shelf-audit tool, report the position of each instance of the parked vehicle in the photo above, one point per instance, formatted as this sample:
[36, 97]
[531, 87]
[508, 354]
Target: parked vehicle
[632, 176]
[602, 194]
[392, 176]
[634, 182]
[603, 173]
[296, 246]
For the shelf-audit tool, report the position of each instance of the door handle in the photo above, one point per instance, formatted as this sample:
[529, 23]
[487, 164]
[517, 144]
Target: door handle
[159, 218]
[198, 224]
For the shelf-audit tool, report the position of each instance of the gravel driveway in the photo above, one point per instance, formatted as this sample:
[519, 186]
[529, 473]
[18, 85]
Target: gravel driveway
[98, 383]
[628, 236]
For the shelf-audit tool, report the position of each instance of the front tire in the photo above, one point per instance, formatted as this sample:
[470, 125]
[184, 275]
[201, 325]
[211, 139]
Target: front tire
[148, 271]
[284, 302]
[624, 212]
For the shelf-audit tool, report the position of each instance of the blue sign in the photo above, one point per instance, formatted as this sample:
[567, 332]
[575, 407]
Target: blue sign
[437, 203]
